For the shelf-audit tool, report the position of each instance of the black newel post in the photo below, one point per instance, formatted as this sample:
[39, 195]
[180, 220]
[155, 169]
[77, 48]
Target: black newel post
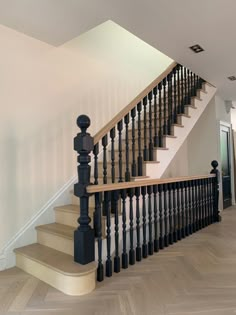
[216, 215]
[84, 235]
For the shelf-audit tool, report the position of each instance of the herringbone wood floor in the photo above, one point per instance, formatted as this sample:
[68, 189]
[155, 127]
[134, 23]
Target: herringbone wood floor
[195, 276]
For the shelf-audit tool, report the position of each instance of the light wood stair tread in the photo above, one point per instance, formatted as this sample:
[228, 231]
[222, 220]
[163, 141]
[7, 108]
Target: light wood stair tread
[197, 98]
[68, 208]
[178, 125]
[62, 230]
[191, 106]
[61, 262]
[161, 148]
[169, 136]
[185, 115]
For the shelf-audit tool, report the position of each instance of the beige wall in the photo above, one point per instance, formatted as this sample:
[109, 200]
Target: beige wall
[42, 91]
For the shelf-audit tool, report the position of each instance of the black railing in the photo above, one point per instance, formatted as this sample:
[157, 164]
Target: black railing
[154, 213]
[154, 216]
[142, 130]
[163, 213]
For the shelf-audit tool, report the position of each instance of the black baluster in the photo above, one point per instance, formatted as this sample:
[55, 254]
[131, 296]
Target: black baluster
[115, 198]
[95, 153]
[182, 210]
[207, 201]
[184, 86]
[199, 83]
[150, 242]
[104, 144]
[107, 211]
[175, 120]
[166, 238]
[124, 253]
[178, 89]
[192, 86]
[145, 150]
[144, 247]
[178, 211]
[133, 115]
[98, 229]
[112, 136]
[203, 204]
[200, 203]
[161, 239]
[160, 134]
[138, 247]
[127, 171]
[194, 214]
[84, 235]
[165, 130]
[186, 208]
[131, 227]
[175, 234]
[170, 214]
[182, 90]
[195, 84]
[140, 158]
[189, 87]
[210, 200]
[170, 110]
[217, 216]
[190, 207]
[120, 128]
[156, 140]
[197, 205]
[156, 238]
[150, 147]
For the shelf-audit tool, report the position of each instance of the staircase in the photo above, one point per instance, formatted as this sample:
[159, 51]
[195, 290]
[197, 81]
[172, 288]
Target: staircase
[148, 137]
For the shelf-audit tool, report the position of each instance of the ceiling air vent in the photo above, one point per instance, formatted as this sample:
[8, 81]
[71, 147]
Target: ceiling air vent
[232, 78]
[196, 48]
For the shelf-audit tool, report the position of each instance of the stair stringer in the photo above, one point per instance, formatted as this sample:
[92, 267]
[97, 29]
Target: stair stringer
[174, 144]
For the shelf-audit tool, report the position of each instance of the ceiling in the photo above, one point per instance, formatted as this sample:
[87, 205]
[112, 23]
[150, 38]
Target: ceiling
[170, 26]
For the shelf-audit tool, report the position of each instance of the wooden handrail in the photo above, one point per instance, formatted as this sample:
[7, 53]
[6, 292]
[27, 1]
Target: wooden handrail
[91, 189]
[105, 130]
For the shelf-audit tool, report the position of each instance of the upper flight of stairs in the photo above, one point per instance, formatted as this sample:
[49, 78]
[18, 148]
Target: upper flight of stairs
[51, 259]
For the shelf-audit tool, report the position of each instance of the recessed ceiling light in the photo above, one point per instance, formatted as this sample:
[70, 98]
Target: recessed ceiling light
[232, 78]
[196, 48]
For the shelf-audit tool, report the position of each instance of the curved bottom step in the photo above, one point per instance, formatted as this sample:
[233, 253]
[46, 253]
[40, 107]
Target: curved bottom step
[57, 269]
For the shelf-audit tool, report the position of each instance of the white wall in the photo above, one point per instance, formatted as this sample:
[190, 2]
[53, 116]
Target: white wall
[42, 91]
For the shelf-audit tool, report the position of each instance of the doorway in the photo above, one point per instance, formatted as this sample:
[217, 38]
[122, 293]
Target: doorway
[225, 165]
